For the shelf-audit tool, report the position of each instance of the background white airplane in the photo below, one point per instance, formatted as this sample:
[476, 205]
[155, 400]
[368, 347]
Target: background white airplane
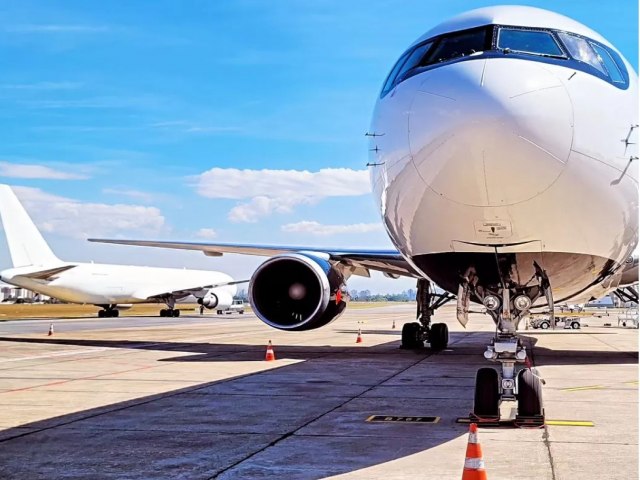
[36, 268]
[502, 152]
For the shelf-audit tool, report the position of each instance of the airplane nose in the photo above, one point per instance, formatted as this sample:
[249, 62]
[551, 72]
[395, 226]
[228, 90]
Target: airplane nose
[490, 132]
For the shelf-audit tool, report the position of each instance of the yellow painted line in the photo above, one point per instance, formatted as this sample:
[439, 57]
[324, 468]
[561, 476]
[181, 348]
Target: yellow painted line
[570, 423]
[632, 383]
[589, 387]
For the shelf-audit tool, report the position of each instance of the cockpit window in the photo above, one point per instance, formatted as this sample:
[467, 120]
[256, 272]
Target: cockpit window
[500, 41]
[529, 41]
[415, 59]
[609, 63]
[580, 49]
[388, 84]
[460, 44]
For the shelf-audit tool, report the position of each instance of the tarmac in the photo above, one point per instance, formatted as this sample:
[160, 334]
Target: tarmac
[192, 398]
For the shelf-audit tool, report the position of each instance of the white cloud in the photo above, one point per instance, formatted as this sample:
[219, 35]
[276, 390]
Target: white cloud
[316, 228]
[24, 170]
[207, 233]
[278, 191]
[72, 218]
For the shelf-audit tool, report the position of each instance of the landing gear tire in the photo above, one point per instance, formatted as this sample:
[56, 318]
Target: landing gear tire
[176, 313]
[411, 336]
[163, 313]
[101, 313]
[439, 336]
[486, 401]
[115, 313]
[529, 394]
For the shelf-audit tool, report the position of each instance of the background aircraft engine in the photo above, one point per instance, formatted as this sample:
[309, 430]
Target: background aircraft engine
[295, 291]
[219, 299]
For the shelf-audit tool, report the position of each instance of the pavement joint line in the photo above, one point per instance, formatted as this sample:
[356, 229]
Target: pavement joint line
[56, 354]
[93, 377]
[630, 354]
[293, 432]
[128, 404]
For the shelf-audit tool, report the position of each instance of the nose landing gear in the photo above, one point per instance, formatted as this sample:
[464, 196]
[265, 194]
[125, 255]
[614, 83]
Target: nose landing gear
[521, 384]
[415, 334]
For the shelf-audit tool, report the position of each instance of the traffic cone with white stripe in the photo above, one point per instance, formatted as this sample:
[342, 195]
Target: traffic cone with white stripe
[271, 355]
[50, 334]
[394, 324]
[359, 337]
[473, 462]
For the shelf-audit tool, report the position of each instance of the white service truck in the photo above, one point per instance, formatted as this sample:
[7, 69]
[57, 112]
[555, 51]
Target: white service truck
[236, 307]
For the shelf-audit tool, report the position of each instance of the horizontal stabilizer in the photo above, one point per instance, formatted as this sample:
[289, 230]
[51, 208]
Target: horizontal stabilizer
[48, 273]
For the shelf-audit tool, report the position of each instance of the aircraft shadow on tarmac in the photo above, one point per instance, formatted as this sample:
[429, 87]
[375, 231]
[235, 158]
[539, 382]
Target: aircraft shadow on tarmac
[228, 352]
[266, 423]
[300, 420]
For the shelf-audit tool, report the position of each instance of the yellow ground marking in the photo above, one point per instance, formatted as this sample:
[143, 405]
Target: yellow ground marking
[569, 423]
[588, 387]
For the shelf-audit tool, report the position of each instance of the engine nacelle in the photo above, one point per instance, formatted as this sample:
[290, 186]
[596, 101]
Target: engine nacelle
[216, 299]
[296, 291]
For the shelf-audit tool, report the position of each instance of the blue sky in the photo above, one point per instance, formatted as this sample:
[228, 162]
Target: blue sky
[111, 112]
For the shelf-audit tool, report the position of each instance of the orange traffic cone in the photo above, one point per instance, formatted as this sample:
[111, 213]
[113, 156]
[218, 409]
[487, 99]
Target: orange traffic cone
[473, 462]
[359, 337]
[50, 330]
[271, 355]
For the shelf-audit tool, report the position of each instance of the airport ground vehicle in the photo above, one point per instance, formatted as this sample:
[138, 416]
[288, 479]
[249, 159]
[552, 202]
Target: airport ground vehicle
[236, 307]
[545, 322]
[629, 317]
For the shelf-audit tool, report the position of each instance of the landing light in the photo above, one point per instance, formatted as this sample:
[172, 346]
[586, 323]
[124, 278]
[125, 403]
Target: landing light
[522, 302]
[491, 302]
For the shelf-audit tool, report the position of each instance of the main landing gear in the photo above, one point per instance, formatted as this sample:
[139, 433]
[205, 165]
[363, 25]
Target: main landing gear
[415, 334]
[516, 381]
[171, 311]
[108, 311]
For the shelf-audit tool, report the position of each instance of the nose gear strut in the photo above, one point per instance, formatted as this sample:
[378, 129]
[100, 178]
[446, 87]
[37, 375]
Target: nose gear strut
[522, 385]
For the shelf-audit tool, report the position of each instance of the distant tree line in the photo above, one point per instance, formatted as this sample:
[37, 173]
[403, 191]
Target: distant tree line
[366, 296]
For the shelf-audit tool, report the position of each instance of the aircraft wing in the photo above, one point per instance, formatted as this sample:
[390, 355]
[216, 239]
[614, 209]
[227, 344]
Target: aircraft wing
[390, 262]
[180, 291]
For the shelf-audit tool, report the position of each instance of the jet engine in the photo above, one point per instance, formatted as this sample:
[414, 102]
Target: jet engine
[216, 299]
[297, 291]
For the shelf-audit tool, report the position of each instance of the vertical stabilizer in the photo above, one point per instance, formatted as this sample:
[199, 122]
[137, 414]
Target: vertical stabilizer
[26, 245]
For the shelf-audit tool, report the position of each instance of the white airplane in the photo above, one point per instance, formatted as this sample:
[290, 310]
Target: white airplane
[502, 148]
[36, 268]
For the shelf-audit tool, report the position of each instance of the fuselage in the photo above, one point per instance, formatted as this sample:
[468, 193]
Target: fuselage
[499, 147]
[103, 284]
